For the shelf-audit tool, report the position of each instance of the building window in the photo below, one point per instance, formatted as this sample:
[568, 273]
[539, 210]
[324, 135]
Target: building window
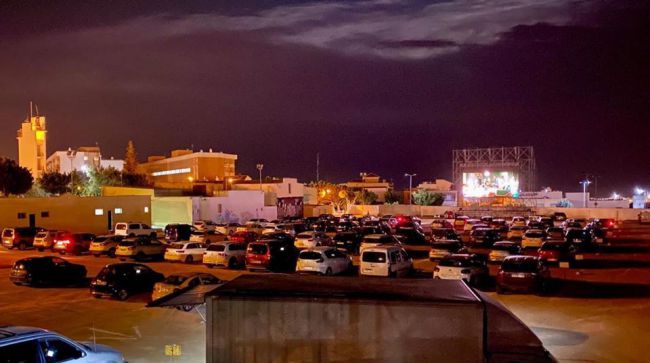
[289, 188]
[146, 209]
[99, 212]
[45, 214]
[22, 215]
[171, 172]
[118, 210]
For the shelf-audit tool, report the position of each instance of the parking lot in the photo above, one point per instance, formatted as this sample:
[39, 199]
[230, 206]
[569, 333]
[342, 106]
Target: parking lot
[573, 327]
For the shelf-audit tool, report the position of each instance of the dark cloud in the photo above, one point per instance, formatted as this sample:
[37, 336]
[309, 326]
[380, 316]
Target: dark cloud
[279, 82]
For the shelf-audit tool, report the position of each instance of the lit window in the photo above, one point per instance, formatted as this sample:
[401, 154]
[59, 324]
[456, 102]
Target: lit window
[118, 210]
[146, 209]
[99, 212]
[171, 172]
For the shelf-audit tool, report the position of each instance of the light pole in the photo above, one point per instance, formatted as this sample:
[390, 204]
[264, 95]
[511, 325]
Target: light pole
[585, 183]
[259, 168]
[410, 176]
[71, 154]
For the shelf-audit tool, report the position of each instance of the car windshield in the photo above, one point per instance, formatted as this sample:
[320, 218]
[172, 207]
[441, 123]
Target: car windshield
[304, 235]
[454, 262]
[8, 233]
[121, 226]
[502, 247]
[520, 265]
[444, 245]
[534, 235]
[218, 248]
[377, 257]
[176, 246]
[553, 246]
[100, 239]
[127, 243]
[175, 279]
[257, 248]
[310, 255]
[41, 235]
[381, 239]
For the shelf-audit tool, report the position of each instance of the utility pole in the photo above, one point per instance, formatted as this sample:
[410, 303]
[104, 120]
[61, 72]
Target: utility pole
[259, 168]
[410, 176]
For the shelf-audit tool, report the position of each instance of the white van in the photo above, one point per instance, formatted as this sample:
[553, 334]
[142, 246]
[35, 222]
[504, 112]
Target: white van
[390, 261]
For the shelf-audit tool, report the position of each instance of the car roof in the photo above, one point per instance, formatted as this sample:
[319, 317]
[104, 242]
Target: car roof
[292, 287]
[504, 243]
[322, 248]
[15, 332]
[520, 258]
[375, 236]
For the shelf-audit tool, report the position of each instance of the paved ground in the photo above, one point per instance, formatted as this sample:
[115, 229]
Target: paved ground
[573, 327]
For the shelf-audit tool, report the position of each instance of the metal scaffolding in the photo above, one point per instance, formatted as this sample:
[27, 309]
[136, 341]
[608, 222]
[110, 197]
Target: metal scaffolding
[519, 159]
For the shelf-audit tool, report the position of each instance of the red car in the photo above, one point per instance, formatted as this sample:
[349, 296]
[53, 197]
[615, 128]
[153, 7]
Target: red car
[243, 237]
[271, 255]
[522, 273]
[72, 243]
[554, 251]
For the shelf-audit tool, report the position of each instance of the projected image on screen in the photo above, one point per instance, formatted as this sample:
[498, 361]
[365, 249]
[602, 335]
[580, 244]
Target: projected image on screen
[488, 183]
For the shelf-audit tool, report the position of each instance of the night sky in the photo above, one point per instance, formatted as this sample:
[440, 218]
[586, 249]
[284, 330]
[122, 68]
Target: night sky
[376, 86]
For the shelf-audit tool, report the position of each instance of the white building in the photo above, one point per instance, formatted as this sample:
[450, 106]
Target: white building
[81, 159]
[32, 145]
[287, 194]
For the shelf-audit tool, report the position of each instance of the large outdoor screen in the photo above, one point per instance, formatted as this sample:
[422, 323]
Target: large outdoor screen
[490, 183]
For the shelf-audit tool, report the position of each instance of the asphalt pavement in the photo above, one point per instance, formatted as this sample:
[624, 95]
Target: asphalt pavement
[573, 324]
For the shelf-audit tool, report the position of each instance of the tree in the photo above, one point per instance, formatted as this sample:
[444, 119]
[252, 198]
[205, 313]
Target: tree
[337, 196]
[366, 197]
[98, 178]
[135, 180]
[130, 159]
[14, 179]
[390, 197]
[54, 182]
[425, 197]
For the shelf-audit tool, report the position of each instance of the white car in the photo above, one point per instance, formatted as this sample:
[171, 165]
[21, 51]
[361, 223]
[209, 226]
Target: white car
[533, 238]
[231, 254]
[207, 237]
[187, 252]
[44, 240]
[385, 260]
[468, 268]
[312, 239]
[182, 281]
[204, 225]
[518, 221]
[374, 240]
[132, 229]
[323, 261]
[27, 344]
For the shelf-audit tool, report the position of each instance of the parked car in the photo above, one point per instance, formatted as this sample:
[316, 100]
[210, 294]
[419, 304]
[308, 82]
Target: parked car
[502, 249]
[45, 240]
[186, 252]
[47, 270]
[555, 233]
[411, 237]
[19, 237]
[133, 229]
[558, 219]
[442, 248]
[350, 241]
[227, 253]
[140, 248]
[312, 239]
[178, 232]
[374, 240]
[207, 237]
[533, 238]
[121, 280]
[521, 273]
[204, 226]
[243, 236]
[385, 260]
[182, 281]
[470, 268]
[285, 237]
[483, 237]
[444, 234]
[324, 261]
[105, 245]
[459, 223]
[554, 251]
[441, 223]
[73, 243]
[547, 222]
[471, 223]
[518, 221]
[366, 230]
[577, 236]
[276, 256]
[517, 232]
[227, 228]
[21, 344]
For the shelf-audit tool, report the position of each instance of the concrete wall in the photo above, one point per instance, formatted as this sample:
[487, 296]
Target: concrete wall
[110, 191]
[77, 214]
[235, 206]
[166, 210]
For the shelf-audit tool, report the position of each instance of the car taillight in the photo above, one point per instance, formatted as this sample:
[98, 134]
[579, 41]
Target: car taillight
[465, 271]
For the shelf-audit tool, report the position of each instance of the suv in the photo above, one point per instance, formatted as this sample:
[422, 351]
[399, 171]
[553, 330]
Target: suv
[44, 240]
[273, 255]
[72, 243]
[21, 237]
[178, 232]
[228, 253]
[131, 229]
[26, 344]
[105, 245]
[140, 248]
[484, 237]
[121, 280]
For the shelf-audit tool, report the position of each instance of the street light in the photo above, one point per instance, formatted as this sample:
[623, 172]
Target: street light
[71, 155]
[410, 176]
[259, 168]
[585, 183]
